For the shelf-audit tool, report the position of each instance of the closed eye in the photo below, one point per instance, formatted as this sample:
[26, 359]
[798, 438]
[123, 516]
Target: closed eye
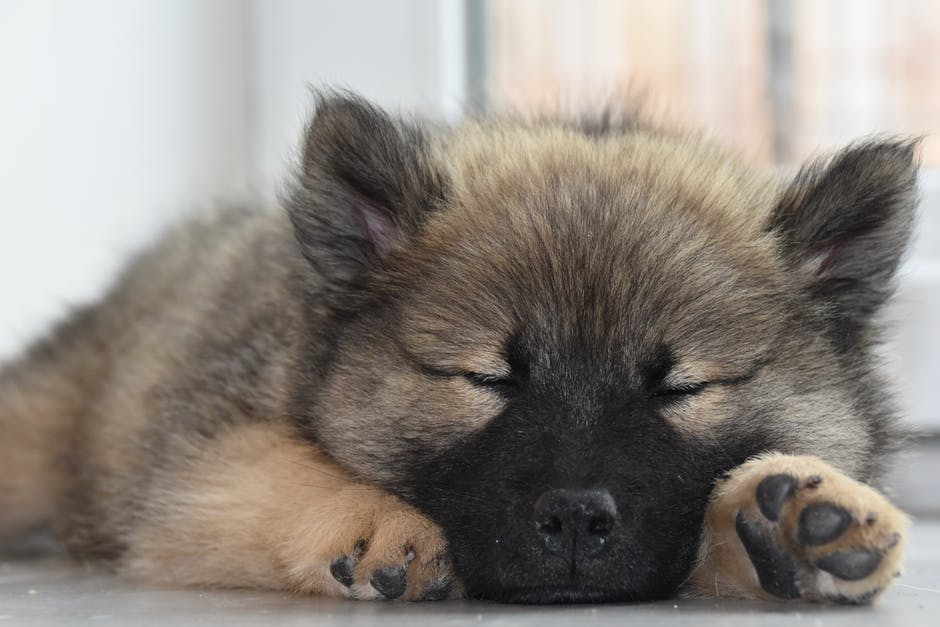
[479, 379]
[678, 392]
[490, 380]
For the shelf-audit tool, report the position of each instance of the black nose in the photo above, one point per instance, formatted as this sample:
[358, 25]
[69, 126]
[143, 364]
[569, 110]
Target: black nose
[575, 523]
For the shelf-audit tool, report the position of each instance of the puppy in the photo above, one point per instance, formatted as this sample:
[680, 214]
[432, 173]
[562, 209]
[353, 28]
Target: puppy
[534, 361]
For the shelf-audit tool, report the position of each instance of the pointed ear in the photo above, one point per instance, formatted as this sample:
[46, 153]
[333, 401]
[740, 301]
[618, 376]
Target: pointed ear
[365, 181]
[845, 222]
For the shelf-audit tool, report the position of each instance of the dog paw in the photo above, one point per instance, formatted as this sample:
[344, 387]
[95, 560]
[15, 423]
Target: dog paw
[364, 544]
[400, 555]
[809, 532]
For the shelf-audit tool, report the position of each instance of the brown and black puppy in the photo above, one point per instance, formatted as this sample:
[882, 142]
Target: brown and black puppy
[538, 361]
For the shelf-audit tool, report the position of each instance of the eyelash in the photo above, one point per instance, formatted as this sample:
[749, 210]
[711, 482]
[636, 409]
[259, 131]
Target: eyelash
[666, 395]
[677, 393]
[489, 381]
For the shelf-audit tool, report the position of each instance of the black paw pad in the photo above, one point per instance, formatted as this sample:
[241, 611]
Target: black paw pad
[775, 569]
[772, 493]
[390, 582]
[850, 565]
[342, 569]
[437, 591]
[821, 523]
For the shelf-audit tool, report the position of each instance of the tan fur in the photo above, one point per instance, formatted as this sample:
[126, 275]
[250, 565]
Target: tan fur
[697, 416]
[37, 405]
[261, 509]
[34, 426]
[724, 569]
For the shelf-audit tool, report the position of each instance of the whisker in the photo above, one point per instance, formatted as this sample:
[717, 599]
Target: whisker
[919, 589]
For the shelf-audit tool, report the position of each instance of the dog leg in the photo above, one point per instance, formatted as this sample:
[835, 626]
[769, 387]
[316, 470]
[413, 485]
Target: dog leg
[257, 507]
[793, 527]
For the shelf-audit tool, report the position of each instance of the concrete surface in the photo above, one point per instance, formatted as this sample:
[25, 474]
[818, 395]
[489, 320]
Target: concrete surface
[54, 592]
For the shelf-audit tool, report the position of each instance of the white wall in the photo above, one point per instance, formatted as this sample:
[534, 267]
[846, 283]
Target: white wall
[914, 317]
[115, 117]
[401, 54]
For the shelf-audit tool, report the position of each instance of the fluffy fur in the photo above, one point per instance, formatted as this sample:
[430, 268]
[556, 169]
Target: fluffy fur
[451, 322]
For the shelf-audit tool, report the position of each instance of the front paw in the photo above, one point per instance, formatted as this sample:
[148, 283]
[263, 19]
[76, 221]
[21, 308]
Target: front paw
[812, 533]
[363, 543]
[404, 558]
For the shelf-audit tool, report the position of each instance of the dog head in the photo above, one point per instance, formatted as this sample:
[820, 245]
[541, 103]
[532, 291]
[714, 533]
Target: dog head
[552, 338]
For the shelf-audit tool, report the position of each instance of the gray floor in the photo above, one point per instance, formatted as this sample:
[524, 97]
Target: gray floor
[53, 592]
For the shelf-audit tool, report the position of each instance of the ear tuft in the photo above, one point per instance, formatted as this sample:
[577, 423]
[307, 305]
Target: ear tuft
[845, 222]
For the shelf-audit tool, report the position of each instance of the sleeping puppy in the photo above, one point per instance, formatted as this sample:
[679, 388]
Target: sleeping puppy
[557, 360]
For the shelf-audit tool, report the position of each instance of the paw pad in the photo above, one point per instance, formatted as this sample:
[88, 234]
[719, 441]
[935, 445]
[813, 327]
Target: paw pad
[391, 581]
[772, 493]
[821, 523]
[342, 570]
[342, 567]
[851, 565]
[795, 533]
[776, 570]
[365, 576]
[438, 591]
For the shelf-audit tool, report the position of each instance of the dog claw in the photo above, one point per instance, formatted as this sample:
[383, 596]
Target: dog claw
[813, 482]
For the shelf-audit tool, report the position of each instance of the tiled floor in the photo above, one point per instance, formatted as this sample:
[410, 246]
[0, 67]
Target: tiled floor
[56, 593]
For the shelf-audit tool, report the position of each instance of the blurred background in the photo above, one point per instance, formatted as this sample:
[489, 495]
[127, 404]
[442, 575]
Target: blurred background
[119, 116]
